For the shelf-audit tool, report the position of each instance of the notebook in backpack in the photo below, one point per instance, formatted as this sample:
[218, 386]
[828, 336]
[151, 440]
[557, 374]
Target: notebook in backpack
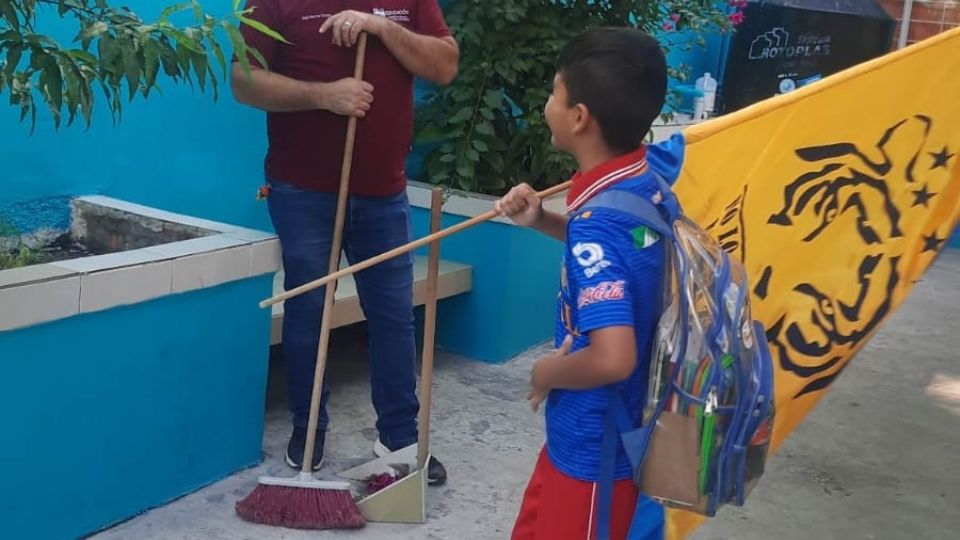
[709, 411]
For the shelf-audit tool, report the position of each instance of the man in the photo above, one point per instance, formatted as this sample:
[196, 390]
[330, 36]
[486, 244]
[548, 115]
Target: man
[308, 92]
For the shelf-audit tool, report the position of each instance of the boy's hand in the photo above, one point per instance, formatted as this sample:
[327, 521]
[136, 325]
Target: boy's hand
[522, 205]
[538, 393]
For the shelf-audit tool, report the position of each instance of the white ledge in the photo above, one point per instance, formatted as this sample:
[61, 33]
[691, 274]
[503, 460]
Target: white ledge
[48, 292]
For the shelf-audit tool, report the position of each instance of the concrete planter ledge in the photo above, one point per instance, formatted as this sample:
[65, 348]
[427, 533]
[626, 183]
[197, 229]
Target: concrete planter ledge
[156, 253]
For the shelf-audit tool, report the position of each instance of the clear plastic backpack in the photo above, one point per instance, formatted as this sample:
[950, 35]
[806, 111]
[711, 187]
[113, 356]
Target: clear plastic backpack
[709, 414]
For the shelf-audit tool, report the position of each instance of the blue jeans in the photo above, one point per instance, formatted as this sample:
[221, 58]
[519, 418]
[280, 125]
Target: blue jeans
[304, 222]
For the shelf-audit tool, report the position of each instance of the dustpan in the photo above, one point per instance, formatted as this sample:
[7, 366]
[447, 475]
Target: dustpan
[405, 500]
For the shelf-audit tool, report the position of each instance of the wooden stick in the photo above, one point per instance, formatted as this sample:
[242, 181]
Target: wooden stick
[335, 247]
[429, 332]
[373, 261]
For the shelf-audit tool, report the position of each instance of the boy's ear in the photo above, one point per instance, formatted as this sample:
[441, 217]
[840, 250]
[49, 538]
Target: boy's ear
[581, 118]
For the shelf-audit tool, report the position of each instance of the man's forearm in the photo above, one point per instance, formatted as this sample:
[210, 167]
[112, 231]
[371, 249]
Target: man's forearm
[552, 224]
[427, 57]
[273, 92]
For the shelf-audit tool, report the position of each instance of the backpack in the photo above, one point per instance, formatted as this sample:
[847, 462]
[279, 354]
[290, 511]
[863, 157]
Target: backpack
[706, 424]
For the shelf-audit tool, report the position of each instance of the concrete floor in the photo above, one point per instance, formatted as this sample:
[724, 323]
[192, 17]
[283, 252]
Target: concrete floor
[878, 459]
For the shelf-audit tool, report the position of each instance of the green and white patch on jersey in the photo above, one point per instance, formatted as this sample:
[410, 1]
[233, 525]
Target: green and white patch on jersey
[644, 237]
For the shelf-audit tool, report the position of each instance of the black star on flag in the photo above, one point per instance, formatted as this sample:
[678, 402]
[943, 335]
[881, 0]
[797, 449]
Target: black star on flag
[941, 158]
[932, 242]
[922, 196]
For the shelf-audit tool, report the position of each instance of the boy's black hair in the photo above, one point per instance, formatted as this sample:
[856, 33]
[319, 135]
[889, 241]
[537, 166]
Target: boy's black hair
[620, 74]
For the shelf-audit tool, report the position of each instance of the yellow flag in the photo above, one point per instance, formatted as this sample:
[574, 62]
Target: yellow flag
[837, 197]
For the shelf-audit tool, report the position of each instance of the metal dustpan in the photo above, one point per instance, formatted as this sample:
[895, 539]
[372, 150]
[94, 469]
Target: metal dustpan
[405, 500]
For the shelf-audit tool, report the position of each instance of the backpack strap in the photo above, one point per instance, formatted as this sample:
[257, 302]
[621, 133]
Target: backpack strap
[634, 206]
[619, 429]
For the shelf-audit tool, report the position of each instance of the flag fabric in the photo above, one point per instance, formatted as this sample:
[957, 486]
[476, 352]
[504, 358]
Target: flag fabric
[837, 197]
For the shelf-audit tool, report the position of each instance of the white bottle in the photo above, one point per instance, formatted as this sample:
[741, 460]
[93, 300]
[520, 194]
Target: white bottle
[698, 109]
[708, 85]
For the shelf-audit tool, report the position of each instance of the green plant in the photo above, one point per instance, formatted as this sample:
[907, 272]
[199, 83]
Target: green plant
[114, 50]
[485, 132]
[13, 253]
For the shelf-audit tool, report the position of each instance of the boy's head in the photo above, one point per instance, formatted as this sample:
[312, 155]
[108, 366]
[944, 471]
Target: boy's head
[610, 84]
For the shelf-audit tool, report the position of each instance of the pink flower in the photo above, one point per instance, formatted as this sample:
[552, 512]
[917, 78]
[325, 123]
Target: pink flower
[667, 26]
[736, 18]
[675, 17]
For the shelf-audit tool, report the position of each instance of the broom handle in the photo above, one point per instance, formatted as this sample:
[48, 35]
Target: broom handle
[335, 247]
[373, 261]
[429, 332]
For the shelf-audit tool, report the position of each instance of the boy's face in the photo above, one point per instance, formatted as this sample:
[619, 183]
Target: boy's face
[560, 116]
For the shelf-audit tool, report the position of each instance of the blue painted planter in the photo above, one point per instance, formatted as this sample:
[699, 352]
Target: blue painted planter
[111, 413]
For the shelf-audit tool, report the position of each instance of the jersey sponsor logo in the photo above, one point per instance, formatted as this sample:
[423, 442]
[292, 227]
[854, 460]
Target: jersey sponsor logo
[602, 292]
[590, 256]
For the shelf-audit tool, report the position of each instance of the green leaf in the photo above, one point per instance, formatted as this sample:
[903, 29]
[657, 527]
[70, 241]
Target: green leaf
[199, 62]
[94, 30]
[239, 46]
[259, 26]
[473, 155]
[151, 65]
[168, 57]
[183, 60]
[8, 13]
[493, 99]
[218, 54]
[108, 52]
[430, 134]
[184, 40]
[260, 59]
[13, 58]
[131, 68]
[485, 128]
[51, 84]
[465, 171]
[480, 145]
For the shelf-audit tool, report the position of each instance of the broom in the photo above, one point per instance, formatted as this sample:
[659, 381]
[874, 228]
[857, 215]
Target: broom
[400, 250]
[304, 502]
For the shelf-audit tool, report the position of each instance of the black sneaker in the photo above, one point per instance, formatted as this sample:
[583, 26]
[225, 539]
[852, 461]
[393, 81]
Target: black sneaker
[295, 448]
[436, 472]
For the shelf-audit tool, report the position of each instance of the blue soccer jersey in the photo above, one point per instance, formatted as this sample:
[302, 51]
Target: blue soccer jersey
[611, 276]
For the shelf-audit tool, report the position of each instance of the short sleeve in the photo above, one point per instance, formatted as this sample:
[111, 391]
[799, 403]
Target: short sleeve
[266, 12]
[430, 21]
[599, 274]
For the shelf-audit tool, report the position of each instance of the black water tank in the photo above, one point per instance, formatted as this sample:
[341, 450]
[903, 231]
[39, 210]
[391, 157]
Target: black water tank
[785, 44]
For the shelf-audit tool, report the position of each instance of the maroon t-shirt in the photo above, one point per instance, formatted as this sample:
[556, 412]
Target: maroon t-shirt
[306, 148]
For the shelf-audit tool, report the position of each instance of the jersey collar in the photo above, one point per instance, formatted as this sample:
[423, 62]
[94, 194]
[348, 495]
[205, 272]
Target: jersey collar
[587, 184]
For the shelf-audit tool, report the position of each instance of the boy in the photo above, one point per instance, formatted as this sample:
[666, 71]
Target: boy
[609, 88]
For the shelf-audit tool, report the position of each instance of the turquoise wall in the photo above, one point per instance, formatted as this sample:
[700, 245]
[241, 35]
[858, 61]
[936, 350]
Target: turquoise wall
[179, 151]
[111, 413]
[516, 275]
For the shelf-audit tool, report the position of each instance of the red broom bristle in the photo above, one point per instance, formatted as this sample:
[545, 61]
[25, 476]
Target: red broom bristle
[301, 508]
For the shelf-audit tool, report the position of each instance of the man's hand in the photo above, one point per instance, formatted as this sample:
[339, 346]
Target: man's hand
[538, 392]
[347, 25]
[349, 96]
[522, 205]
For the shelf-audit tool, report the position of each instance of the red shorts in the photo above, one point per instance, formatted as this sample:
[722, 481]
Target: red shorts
[557, 507]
